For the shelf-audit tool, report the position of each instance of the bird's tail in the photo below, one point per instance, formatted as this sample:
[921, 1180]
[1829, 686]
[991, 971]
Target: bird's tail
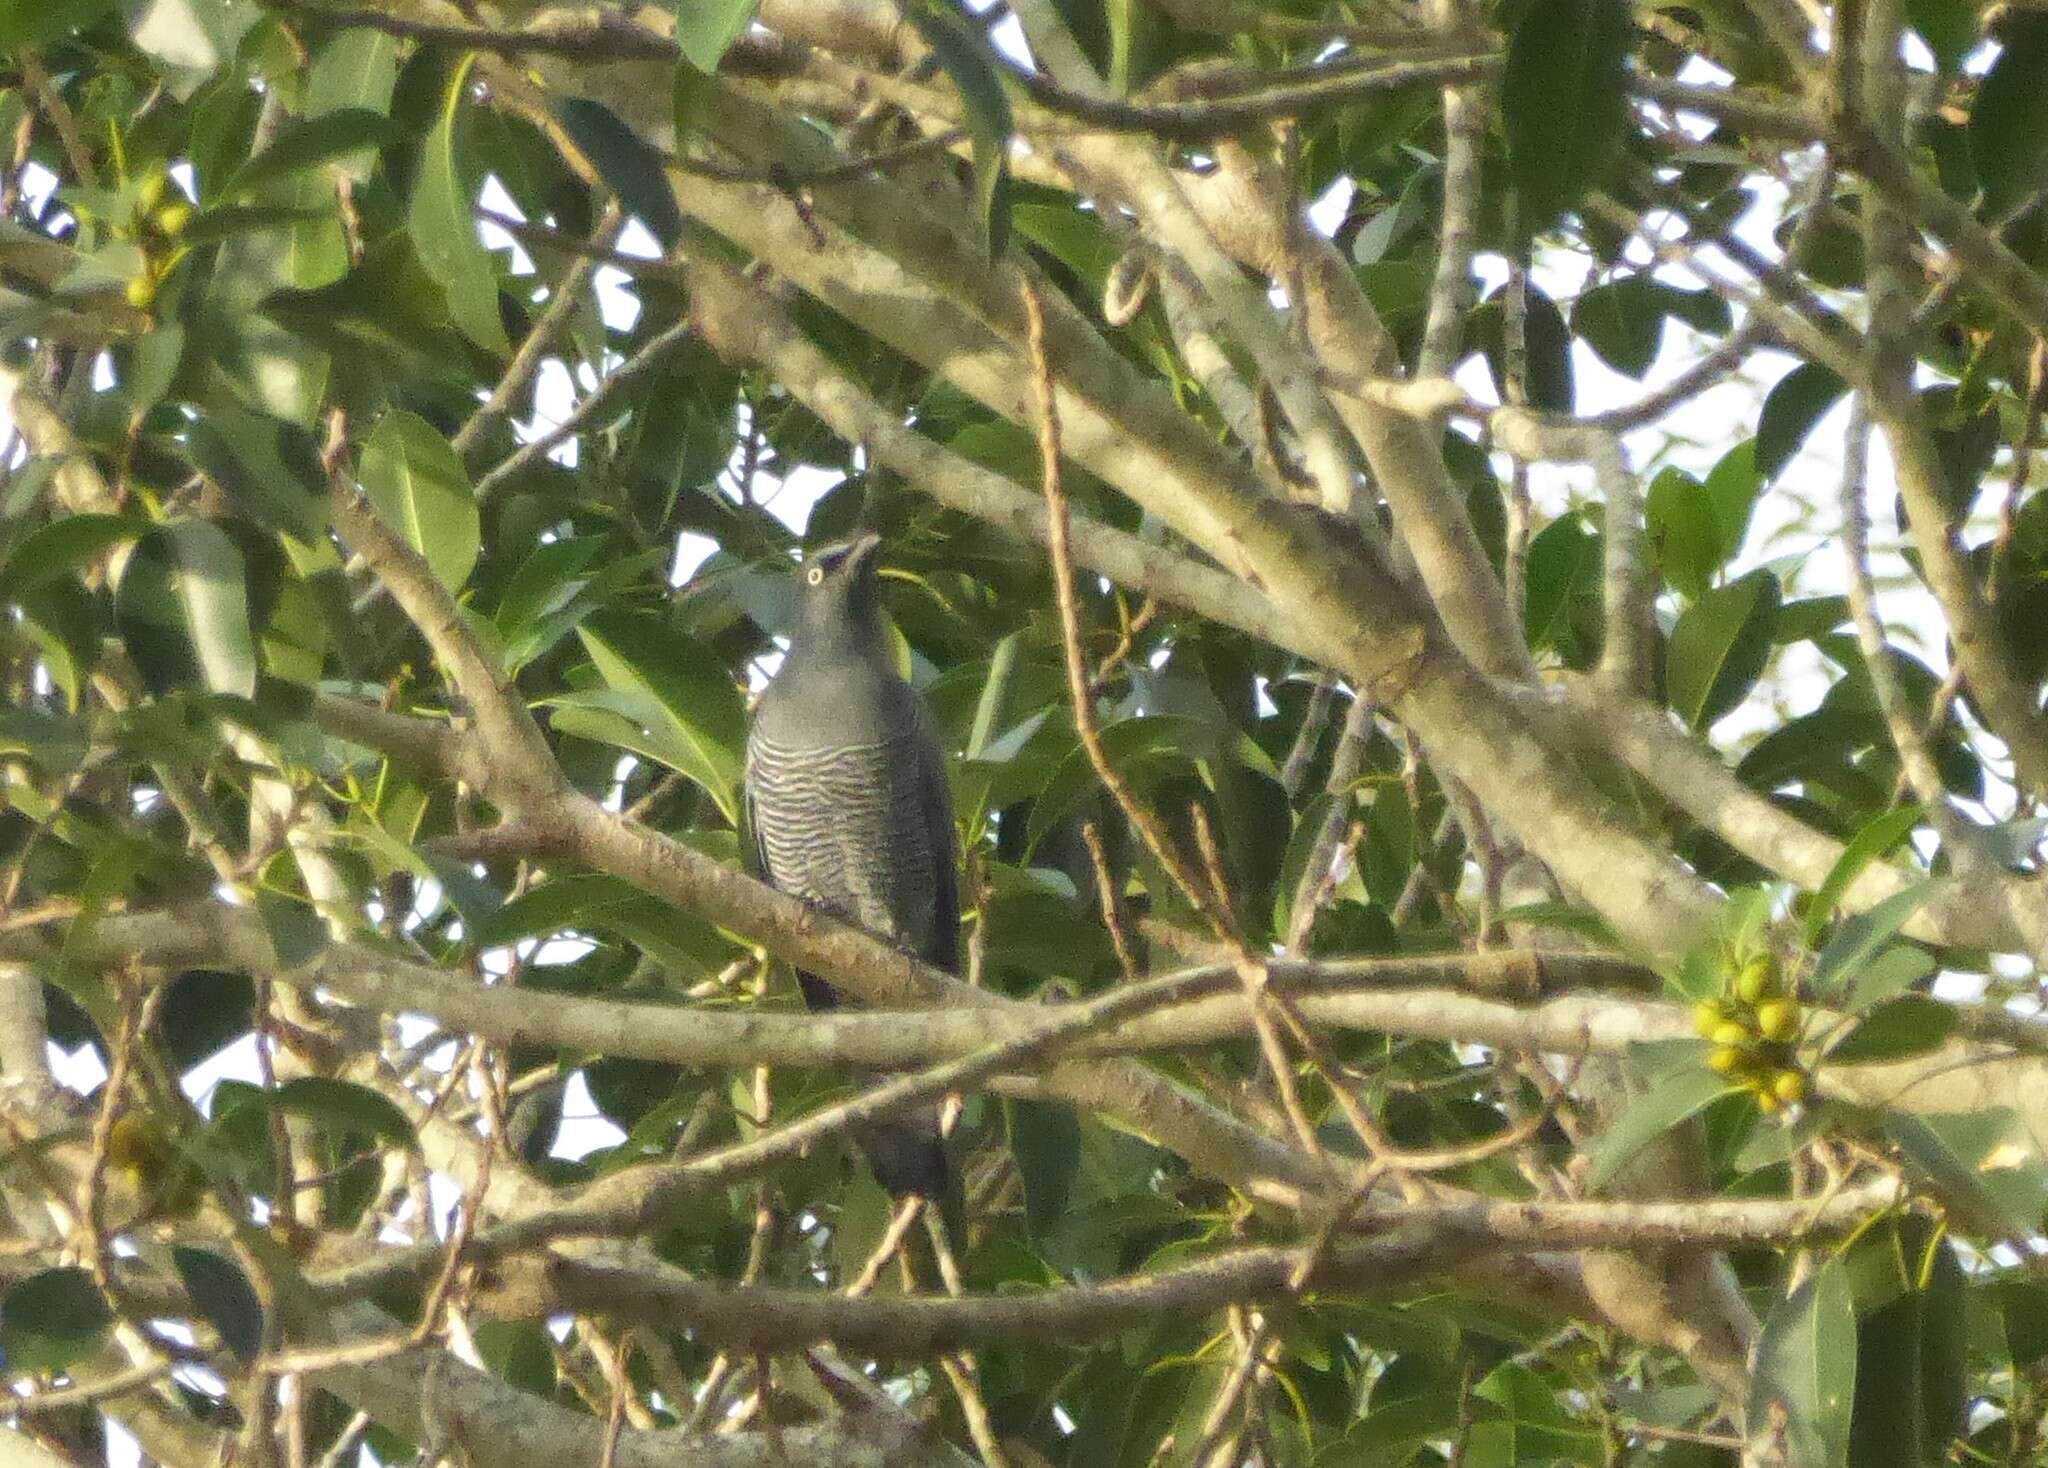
[908, 1154]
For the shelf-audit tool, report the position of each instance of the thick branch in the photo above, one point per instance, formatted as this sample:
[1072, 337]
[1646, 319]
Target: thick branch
[1404, 1244]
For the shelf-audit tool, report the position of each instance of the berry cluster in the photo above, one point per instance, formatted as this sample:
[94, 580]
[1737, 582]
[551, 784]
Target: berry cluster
[1755, 1026]
[160, 218]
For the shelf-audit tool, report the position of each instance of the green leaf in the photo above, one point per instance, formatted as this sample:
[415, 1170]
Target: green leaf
[706, 28]
[989, 123]
[55, 742]
[1719, 648]
[1859, 937]
[1797, 401]
[421, 490]
[51, 1320]
[183, 607]
[1684, 531]
[2009, 123]
[1949, 27]
[1911, 1372]
[1046, 1141]
[1733, 484]
[224, 1296]
[443, 220]
[191, 38]
[1912, 1024]
[556, 906]
[1950, 1165]
[632, 169]
[988, 709]
[202, 1010]
[307, 142]
[1623, 321]
[1893, 971]
[343, 1106]
[1806, 1369]
[268, 467]
[1674, 1098]
[693, 694]
[29, 24]
[357, 69]
[61, 548]
[1564, 97]
[1137, 748]
[1547, 343]
[1873, 841]
[295, 930]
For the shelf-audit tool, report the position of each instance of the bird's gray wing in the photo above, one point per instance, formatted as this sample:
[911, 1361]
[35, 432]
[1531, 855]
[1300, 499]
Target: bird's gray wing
[935, 804]
[751, 844]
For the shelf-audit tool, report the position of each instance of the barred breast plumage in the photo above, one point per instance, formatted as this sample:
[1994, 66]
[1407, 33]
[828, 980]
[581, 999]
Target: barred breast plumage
[846, 827]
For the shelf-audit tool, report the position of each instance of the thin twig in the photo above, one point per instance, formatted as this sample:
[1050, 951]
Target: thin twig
[634, 367]
[568, 294]
[1107, 895]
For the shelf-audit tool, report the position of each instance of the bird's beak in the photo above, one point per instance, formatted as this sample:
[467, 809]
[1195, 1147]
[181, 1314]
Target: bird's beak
[862, 551]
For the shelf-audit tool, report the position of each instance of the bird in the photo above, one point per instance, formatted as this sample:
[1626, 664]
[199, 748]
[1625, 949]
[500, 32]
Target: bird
[849, 809]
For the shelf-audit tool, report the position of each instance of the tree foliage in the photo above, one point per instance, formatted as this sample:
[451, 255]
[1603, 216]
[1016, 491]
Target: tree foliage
[1522, 953]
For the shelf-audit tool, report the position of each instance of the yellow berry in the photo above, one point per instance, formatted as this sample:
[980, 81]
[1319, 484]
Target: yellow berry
[1727, 1060]
[1789, 1086]
[1756, 981]
[1778, 1019]
[1768, 1103]
[151, 192]
[1729, 1033]
[1707, 1017]
[172, 219]
[141, 292]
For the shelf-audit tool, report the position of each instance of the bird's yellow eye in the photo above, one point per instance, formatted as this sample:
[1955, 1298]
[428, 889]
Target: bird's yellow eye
[815, 576]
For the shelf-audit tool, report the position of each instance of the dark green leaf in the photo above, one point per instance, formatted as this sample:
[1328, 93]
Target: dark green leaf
[1733, 484]
[295, 930]
[1806, 1369]
[183, 606]
[421, 490]
[50, 1320]
[561, 905]
[1719, 648]
[224, 1296]
[1893, 971]
[1564, 96]
[1912, 1024]
[631, 168]
[1548, 350]
[1046, 1141]
[1949, 27]
[2009, 123]
[343, 1106]
[202, 1010]
[1623, 321]
[1799, 399]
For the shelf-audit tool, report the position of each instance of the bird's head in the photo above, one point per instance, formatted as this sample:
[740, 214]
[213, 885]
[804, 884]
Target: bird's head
[836, 595]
